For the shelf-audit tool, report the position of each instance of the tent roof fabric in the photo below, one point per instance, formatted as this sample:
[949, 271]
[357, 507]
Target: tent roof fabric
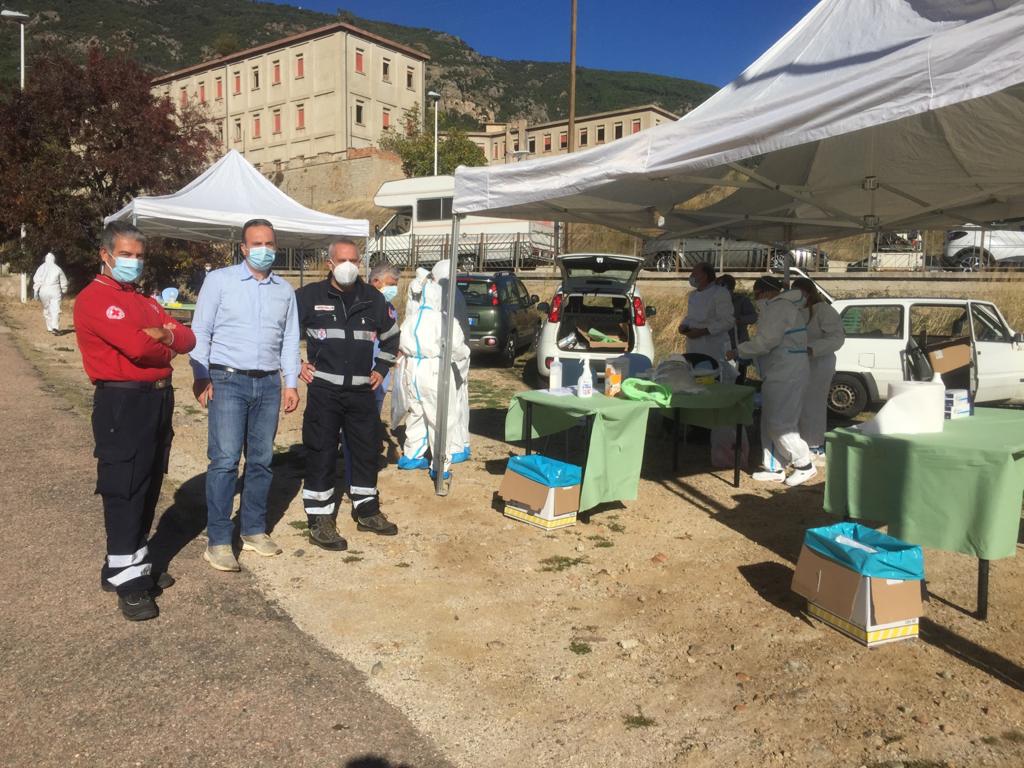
[869, 114]
[215, 205]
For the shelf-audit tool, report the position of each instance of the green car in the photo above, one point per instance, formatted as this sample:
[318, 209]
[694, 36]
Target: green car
[503, 316]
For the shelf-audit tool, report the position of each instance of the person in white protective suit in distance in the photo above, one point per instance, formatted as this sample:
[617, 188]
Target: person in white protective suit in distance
[420, 345]
[780, 352]
[825, 336]
[709, 318]
[49, 284]
[414, 292]
[440, 273]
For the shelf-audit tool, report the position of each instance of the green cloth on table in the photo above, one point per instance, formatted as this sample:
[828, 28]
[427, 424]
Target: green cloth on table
[957, 490]
[646, 391]
[719, 405]
[612, 470]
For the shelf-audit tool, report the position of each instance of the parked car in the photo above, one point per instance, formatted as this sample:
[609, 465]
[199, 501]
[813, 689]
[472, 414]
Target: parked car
[971, 250]
[663, 254]
[503, 315]
[878, 330]
[597, 293]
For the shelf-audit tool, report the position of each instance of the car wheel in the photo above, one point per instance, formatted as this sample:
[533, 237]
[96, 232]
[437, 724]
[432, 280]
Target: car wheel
[847, 396]
[510, 351]
[973, 260]
[665, 263]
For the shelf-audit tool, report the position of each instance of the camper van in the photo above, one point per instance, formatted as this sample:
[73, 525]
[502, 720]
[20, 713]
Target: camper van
[419, 232]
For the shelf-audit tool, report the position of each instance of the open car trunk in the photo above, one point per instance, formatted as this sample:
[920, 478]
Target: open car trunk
[595, 322]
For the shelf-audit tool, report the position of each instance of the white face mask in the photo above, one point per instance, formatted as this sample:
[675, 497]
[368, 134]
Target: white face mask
[345, 273]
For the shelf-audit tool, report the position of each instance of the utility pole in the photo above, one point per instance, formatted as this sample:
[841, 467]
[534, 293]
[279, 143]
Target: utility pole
[572, 97]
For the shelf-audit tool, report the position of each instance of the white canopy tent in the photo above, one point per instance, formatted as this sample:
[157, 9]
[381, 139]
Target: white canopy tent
[867, 115]
[215, 205]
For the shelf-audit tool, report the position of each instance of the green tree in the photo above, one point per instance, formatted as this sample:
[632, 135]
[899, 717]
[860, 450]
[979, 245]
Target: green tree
[415, 147]
[79, 143]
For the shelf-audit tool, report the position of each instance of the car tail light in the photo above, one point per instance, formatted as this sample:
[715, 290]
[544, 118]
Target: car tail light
[639, 316]
[556, 309]
[492, 289]
[548, 361]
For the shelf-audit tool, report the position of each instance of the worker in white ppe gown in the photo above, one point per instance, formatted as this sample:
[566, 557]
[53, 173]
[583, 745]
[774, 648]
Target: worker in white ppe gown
[709, 318]
[440, 273]
[420, 344]
[414, 292]
[49, 284]
[780, 352]
[825, 336]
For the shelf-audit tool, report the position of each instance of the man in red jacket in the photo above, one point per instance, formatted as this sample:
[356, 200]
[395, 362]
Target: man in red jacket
[127, 342]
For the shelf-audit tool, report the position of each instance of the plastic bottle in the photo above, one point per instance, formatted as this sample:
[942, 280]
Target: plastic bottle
[555, 374]
[585, 386]
[612, 379]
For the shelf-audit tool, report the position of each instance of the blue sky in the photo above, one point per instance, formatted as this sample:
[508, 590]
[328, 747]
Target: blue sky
[707, 40]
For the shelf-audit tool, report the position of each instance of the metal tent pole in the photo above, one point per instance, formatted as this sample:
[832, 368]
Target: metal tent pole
[444, 373]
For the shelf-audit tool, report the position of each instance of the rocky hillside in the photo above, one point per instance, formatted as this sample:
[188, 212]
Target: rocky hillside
[167, 34]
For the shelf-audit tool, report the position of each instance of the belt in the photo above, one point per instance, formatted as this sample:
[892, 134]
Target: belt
[250, 374]
[143, 385]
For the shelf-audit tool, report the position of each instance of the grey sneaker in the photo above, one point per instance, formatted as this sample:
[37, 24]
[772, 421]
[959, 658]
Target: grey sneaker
[221, 557]
[261, 544]
[323, 532]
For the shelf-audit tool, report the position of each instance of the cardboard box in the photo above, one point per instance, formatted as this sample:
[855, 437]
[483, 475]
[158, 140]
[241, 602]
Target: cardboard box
[950, 356]
[870, 610]
[537, 504]
[621, 345]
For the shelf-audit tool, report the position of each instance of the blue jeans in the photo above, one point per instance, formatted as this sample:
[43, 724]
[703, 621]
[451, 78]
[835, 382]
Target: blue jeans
[243, 414]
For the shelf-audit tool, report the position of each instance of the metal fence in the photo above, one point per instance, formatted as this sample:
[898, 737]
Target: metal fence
[481, 252]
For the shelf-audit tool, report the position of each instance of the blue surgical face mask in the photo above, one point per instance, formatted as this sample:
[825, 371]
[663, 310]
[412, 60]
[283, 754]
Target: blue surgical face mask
[389, 291]
[126, 270]
[261, 257]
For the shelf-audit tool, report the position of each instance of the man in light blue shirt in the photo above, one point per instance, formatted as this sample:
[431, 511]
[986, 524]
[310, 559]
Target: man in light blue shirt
[247, 337]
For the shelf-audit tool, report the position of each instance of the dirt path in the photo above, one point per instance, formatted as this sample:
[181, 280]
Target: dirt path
[221, 678]
[661, 633]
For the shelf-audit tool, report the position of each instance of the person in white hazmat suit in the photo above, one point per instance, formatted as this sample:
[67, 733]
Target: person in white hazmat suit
[440, 273]
[420, 345]
[780, 352]
[49, 284]
[825, 336]
[709, 318]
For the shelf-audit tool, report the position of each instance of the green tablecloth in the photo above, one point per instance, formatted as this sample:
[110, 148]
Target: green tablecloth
[719, 405]
[958, 490]
[616, 445]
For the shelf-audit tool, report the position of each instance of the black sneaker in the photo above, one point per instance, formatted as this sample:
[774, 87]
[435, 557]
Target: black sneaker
[376, 523]
[138, 606]
[163, 581]
[324, 533]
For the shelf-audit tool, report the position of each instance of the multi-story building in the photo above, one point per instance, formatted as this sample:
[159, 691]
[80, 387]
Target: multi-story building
[506, 142]
[316, 94]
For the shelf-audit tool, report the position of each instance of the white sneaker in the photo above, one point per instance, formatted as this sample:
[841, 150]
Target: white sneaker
[766, 476]
[801, 476]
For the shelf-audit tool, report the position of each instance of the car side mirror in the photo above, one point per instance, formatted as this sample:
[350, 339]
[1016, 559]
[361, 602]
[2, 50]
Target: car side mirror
[543, 307]
[651, 311]
[534, 298]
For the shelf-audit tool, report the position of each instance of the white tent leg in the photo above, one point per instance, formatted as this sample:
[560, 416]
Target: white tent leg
[445, 371]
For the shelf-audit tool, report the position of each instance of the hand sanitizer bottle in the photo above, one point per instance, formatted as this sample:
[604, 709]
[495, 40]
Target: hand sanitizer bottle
[555, 374]
[585, 386]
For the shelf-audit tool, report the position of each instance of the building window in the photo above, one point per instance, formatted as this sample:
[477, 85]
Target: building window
[547, 142]
[563, 140]
[277, 73]
[300, 117]
[256, 126]
[410, 78]
[300, 66]
[531, 146]
[617, 131]
[359, 113]
[255, 78]
[183, 97]
[238, 129]
[219, 88]
[515, 145]
[220, 132]
[276, 121]
[385, 118]
[583, 137]
[202, 93]
[238, 83]
[635, 126]
[600, 134]
[494, 151]
[385, 70]
[359, 61]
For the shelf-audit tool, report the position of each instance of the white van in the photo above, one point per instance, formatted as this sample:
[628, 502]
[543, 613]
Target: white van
[420, 230]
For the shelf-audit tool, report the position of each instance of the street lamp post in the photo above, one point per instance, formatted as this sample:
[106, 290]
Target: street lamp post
[19, 18]
[435, 97]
